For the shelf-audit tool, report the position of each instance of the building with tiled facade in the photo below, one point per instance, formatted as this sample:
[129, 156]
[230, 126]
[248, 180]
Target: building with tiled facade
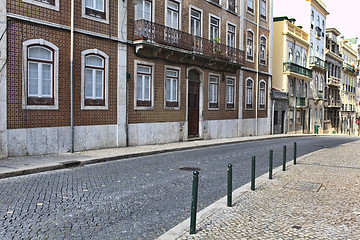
[120, 73]
[348, 88]
[334, 63]
[292, 76]
[63, 88]
[198, 69]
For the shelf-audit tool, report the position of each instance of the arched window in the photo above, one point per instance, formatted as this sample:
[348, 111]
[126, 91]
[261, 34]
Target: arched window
[312, 19]
[318, 21]
[40, 74]
[297, 58]
[249, 91]
[311, 49]
[316, 83]
[262, 94]
[262, 50]
[94, 79]
[290, 55]
[317, 51]
[304, 60]
[305, 90]
[291, 87]
[323, 28]
[249, 45]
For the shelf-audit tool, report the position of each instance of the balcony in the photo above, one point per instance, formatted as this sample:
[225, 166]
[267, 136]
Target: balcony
[318, 62]
[168, 40]
[350, 68]
[294, 68]
[300, 101]
[334, 81]
[318, 94]
[332, 103]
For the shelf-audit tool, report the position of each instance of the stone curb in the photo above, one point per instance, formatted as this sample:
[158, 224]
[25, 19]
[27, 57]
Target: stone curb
[92, 160]
[180, 229]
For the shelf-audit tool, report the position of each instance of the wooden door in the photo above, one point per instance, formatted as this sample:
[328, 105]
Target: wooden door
[193, 109]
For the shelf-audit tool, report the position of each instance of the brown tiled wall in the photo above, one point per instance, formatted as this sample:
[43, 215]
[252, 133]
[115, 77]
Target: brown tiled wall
[18, 32]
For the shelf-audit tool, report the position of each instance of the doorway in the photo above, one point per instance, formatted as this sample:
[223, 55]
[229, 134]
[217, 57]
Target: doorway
[193, 103]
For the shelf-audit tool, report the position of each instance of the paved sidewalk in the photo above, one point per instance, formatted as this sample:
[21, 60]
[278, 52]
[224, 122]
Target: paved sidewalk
[16, 166]
[316, 199]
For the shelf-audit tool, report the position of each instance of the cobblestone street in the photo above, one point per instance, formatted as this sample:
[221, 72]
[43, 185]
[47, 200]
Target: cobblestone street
[316, 199]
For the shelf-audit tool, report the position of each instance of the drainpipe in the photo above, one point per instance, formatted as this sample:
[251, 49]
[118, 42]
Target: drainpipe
[71, 77]
[257, 66]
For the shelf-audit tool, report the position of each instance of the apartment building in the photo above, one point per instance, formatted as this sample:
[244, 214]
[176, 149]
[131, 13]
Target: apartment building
[190, 75]
[348, 88]
[63, 76]
[291, 76]
[332, 100]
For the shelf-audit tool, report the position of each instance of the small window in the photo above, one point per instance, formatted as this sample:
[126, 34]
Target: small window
[172, 18]
[298, 116]
[249, 46]
[297, 58]
[95, 8]
[143, 85]
[231, 5]
[263, 9]
[290, 55]
[312, 19]
[40, 76]
[230, 93]
[94, 80]
[171, 87]
[291, 116]
[262, 50]
[213, 91]
[143, 10]
[248, 94]
[262, 95]
[291, 87]
[214, 29]
[195, 23]
[304, 60]
[250, 6]
[231, 36]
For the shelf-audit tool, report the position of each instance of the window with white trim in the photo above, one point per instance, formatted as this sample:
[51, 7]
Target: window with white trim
[262, 50]
[214, 29]
[195, 25]
[231, 36]
[40, 75]
[291, 87]
[312, 19]
[263, 9]
[290, 55]
[262, 94]
[297, 58]
[213, 91]
[230, 84]
[94, 80]
[249, 45]
[95, 8]
[304, 60]
[250, 6]
[231, 5]
[171, 87]
[143, 85]
[172, 14]
[249, 93]
[51, 4]
[143, 10]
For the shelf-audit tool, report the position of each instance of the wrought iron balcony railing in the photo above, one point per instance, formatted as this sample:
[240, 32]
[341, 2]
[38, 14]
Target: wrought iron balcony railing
[350, 68]
[155, 33]
[294, 68]
[334, 81]
[317, 62]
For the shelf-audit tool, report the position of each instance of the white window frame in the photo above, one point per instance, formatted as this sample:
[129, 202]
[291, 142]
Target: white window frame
[44, 5]
[291, 55]
[152, 65]
[263, 48]
[230, 92]
[40, 42]
[178, 70]
[214, 88]
[201, 19]
[218, 27]
[105, 82]
[249, 94]
[106, 9]
[235, 6]
[250, 9]
[252, 46]
[263, 10]
[297, 58]
[151, 10]
[179, 13]
[228, 34]
[262, 95]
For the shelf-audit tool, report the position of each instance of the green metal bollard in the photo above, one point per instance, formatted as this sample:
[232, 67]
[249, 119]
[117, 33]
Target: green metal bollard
[229, 189]
[253, 173]
[194, 202]
[284, 158]
[271, 163]
[294, 153]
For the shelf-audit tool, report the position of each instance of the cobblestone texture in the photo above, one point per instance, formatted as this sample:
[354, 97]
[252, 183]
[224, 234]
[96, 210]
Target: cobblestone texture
[277, 210]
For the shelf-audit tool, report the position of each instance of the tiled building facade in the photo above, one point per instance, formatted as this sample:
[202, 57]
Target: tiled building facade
[103, 73]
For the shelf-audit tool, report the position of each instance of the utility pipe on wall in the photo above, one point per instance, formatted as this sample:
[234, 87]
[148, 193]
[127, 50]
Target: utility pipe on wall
[71, 78]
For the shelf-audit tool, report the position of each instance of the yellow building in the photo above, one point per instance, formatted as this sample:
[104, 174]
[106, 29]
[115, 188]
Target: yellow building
[348, 88]
[292, 76]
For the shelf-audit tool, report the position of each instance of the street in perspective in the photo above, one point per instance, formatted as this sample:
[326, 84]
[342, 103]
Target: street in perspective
[145, 196]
